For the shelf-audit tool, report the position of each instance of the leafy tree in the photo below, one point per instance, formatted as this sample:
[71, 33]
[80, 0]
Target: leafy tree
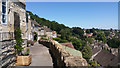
[88, 31]
[51, 24]
[78, 30]
[89, 40]
[94, 33]
[77, 43]
[111, 29]
[87, 52]
[114, 43]
[19, 41]
[65, 33]
[92, 30]
[101, 37]
[107, 33]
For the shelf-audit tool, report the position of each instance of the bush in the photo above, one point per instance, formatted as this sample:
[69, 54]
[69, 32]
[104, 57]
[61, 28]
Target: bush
[19, 41]
[27, 52]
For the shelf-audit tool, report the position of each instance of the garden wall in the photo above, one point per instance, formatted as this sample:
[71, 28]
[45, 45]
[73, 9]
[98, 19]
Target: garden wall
[61, 57]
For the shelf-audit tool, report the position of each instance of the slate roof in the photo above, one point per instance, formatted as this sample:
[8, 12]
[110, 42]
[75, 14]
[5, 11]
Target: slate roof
[114, 62]
[104, 58]
[95, 50]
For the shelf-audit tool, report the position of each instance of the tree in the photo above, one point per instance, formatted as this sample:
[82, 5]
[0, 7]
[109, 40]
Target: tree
[92, 30]
[87, 31]
[19, 41]
[65, 33]
[90, 40]
[114, 42]
[107, 33]
[87, 52]
[78, 30]
[101, 37]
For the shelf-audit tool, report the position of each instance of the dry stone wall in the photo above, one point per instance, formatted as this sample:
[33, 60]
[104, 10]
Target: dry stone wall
[61, 57]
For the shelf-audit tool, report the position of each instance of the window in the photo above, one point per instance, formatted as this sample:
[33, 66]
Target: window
[4, 14]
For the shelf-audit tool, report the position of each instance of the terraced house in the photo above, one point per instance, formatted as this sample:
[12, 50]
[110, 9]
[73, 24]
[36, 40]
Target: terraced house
[12, 16]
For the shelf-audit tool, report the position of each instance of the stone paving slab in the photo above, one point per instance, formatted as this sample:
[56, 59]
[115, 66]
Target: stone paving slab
[40, 55]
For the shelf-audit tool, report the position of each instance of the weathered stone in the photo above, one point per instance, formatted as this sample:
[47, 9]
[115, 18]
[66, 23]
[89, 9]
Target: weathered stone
[63, 58]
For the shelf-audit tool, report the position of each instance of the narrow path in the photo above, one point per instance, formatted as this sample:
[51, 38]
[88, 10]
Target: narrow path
[40, 55]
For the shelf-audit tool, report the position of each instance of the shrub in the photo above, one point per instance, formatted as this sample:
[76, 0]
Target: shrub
[19, 41]
[27, 52]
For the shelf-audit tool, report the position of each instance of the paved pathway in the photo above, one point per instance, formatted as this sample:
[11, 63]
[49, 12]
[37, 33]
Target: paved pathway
[40, 55]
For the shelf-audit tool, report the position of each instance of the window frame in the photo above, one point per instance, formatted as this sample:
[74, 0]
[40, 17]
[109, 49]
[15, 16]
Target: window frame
[3, 13]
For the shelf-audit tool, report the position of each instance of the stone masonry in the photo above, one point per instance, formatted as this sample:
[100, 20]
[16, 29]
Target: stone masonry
[15, 16]
[61, 57]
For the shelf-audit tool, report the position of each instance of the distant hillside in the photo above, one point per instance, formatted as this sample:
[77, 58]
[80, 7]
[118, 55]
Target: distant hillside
[51, 24]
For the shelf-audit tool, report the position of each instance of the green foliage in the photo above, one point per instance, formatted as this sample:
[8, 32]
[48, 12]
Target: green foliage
[19, 41]
[43, 39]
[35, 36]
[78, 30]
[60, 40]
[51, 24]
[88, 31]
[87, 52]
[92, 30]
[114, 43]
[106, 33]
[77, 43]
[27, 52]
[93, 64]
[65, 33]
[74, 35]
[57, 39]
[89, 40]
[101, 37]
[63, 41]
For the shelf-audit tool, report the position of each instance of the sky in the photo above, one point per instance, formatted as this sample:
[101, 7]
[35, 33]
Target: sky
[102, 15]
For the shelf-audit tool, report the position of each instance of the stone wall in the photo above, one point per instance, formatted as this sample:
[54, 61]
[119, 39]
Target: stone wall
[61, 57]
[7, 52]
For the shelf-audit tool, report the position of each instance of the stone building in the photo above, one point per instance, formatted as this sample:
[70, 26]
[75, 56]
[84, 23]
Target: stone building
[29, 27]
[12, 16]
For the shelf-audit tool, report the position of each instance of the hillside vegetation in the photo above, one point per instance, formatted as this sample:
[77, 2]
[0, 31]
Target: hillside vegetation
[74, 35]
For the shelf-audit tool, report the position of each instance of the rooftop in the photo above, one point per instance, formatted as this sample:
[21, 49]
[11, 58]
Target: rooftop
[104, 58]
